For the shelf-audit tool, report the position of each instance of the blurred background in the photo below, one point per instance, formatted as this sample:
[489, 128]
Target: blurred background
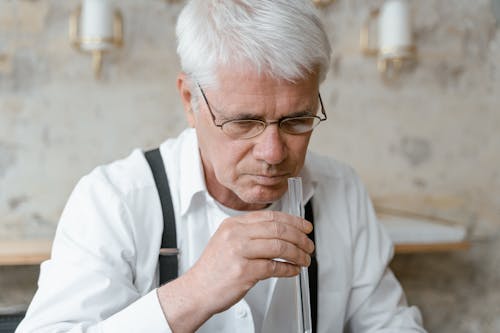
[426, 141]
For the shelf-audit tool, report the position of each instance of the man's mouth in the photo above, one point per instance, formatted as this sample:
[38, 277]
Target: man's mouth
[270, 180]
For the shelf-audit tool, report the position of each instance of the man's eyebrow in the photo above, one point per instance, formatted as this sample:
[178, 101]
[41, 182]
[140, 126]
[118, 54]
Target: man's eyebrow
[241, 116]
[304, 113]
[307, 112]
[253, 116]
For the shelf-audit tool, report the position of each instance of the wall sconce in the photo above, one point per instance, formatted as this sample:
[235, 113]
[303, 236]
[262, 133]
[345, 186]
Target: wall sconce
[96, 27]
[395, 50]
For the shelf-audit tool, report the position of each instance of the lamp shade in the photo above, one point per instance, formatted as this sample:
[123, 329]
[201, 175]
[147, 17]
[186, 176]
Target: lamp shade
[96, 25]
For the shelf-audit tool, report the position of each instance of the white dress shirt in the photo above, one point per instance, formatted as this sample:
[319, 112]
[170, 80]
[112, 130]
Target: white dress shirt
[103, 272]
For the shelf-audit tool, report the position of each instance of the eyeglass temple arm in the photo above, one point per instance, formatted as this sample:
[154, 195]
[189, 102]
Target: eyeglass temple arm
[322, 108]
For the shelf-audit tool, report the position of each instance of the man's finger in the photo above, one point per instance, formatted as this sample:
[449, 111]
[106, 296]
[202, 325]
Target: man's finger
[275, 248]
[272, 268]
[281, 231]
[275, 216]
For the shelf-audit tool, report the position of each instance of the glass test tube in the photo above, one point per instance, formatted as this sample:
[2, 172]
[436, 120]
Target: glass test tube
[296, 207]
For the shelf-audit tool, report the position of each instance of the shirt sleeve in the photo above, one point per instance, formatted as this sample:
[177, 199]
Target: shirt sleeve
[88, 284]
[377, 302]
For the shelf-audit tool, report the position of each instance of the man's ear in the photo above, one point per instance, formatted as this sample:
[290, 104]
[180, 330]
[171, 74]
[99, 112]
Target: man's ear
[185, 93]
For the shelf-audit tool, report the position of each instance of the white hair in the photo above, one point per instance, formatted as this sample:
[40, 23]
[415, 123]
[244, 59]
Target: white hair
[281, 38]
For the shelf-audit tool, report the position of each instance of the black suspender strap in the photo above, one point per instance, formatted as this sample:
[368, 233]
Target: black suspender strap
[313, 271]
[168, 252]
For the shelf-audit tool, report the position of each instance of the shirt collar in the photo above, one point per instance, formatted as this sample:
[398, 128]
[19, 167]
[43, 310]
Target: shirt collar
[192, 179]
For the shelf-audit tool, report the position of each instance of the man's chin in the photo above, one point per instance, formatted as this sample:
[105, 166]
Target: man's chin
[263, 195]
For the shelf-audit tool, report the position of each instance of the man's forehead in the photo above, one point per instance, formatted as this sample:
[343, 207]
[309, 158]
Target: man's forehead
[228, 75]
[252, 86]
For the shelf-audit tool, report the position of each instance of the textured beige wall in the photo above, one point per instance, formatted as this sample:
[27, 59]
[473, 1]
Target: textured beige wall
[428, 143]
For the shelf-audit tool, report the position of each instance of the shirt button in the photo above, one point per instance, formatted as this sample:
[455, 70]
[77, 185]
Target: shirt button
[241, 313]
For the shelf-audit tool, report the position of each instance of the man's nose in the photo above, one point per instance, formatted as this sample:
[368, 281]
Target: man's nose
[270, 146]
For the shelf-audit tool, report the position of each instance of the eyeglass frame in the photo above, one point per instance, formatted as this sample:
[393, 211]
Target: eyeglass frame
[266, 123]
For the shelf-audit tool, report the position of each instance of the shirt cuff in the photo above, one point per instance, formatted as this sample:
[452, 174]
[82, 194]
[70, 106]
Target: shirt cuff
[144, 315]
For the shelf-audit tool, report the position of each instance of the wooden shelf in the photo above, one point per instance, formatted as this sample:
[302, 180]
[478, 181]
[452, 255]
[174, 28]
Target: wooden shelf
[33, 252]
[417, 233]
[24, 252]
[430, 247]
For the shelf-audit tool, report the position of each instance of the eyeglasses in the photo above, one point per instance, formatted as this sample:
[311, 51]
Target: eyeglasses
[250, 128]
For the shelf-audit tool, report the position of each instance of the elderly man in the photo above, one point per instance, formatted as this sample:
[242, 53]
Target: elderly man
[250, 90]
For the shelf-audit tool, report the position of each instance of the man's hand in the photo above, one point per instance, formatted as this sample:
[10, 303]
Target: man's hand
[239, 254]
